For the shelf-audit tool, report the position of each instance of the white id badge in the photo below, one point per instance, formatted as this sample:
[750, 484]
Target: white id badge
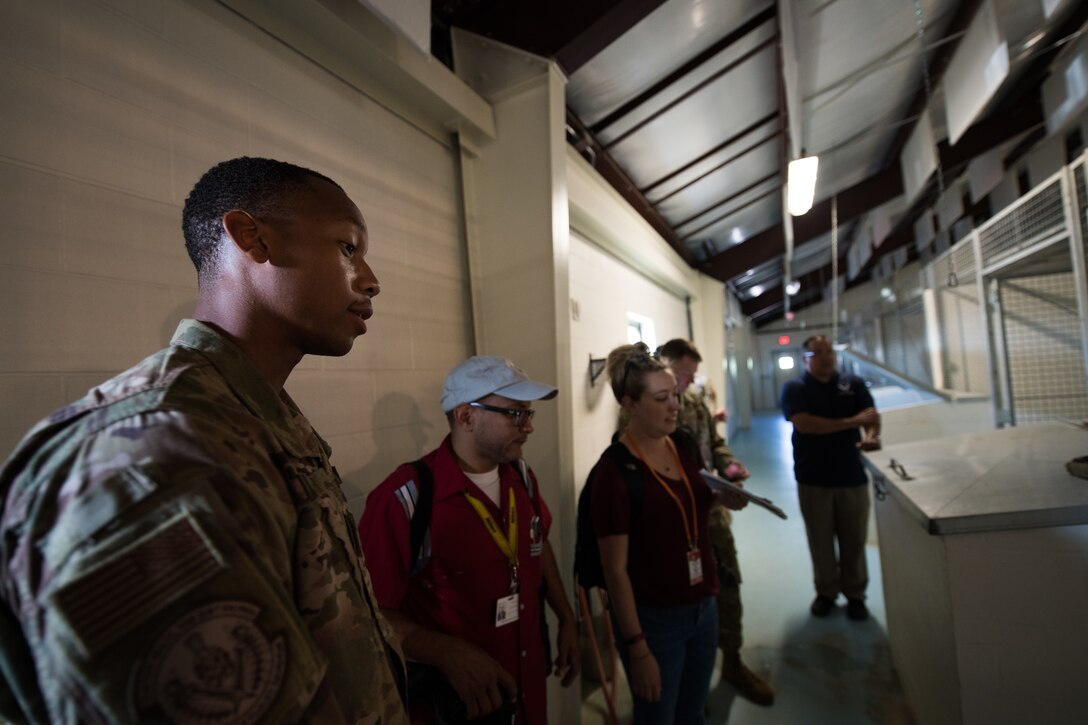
[506, 610]
[695, 567]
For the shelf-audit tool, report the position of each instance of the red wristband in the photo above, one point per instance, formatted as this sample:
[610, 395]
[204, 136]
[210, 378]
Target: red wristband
[635, 639]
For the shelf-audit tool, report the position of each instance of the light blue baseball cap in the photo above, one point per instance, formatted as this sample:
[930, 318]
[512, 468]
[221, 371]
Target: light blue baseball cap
[485, 375]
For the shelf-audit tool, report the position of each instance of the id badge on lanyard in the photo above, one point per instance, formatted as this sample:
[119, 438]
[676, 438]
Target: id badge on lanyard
[695, 566]
[506, 608]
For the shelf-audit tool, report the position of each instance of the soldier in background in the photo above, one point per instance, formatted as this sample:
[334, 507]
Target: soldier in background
[175, 546]
[699, 423]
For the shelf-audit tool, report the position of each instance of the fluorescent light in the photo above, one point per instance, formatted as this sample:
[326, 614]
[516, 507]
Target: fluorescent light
[793, 288]
[755, 291]
[801, 185]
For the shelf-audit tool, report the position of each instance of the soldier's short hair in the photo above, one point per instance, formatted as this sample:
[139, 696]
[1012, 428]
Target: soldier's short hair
[679, 348]
[807, 344]
[262, 187]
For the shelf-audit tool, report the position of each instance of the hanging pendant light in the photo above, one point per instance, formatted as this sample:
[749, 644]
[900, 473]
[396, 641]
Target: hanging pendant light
[801, 184]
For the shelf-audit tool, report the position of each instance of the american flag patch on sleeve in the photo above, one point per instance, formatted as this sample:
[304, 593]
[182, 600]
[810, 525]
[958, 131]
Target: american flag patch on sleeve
[116, 595]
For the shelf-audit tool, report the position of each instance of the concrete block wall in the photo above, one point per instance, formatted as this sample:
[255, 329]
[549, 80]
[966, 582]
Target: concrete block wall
[112, 110]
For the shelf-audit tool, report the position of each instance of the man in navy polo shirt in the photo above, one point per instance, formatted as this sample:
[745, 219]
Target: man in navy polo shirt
[833, 420]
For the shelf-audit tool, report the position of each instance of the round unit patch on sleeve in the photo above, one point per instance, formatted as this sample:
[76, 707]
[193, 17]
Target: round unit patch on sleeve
[213, 666]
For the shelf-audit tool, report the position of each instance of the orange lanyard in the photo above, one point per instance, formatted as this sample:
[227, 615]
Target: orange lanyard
[692, 530]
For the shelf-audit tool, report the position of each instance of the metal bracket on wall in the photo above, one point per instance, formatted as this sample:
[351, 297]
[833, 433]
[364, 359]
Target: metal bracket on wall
[596, 367]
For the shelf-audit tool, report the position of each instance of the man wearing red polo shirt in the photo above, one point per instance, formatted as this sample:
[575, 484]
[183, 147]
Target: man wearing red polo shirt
[471, 603]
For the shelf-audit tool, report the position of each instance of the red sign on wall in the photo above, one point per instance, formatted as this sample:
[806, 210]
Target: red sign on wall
[783, 339]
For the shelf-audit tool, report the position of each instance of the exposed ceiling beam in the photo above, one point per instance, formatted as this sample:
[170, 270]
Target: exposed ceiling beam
[722, 202]
[752, 127]
[773, 300]
[770, 243]
[750, 25]
[725, 70]
[1002, 125]
[570, 31]
[608, 168]
[936, 65]
[874, 191]
[1019, 112]
[999, 127]
[760, 314]
[598, 35]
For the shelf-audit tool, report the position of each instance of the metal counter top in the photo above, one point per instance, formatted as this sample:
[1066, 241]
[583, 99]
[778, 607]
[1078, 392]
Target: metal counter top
[1011, 478]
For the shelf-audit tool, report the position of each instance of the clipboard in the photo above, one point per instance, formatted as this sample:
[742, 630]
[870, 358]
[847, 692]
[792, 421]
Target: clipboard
[717, 483]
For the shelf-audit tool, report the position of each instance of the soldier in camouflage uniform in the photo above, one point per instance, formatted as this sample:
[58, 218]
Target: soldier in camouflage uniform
[175, 547]
[697, 420]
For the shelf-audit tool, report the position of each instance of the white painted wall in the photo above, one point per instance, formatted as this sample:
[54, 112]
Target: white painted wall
[619, 264]
[606, 290]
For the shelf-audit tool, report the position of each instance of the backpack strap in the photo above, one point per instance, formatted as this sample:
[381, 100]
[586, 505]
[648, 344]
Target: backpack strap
[632, 477]
[420, 518]
[687, 445]
[526, 479]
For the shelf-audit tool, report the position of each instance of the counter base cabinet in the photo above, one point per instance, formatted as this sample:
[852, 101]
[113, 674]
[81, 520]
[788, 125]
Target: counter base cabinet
[987, 627]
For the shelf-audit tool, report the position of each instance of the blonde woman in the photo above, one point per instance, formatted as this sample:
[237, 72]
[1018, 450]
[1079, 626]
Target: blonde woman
[658, 561]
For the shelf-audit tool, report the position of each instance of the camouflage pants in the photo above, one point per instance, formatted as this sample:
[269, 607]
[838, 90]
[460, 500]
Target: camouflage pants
[730, 610]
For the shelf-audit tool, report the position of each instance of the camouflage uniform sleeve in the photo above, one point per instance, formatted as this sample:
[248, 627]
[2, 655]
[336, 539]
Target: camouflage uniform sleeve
[719, 449]
[697, 418]
[154, 581]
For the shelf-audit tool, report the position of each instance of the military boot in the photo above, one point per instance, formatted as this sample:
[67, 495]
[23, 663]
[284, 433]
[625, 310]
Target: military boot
[746, 682]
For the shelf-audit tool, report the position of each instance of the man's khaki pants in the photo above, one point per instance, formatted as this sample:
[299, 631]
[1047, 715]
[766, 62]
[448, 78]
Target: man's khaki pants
[840, 514]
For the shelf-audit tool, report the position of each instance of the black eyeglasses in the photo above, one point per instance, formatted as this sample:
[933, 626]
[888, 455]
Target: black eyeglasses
[637, 360]
[520, 416]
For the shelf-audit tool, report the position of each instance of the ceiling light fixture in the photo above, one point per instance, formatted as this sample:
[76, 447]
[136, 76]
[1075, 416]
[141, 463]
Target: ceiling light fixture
[793, 288]
[755, 291]
[1033, 39]
[801, 184]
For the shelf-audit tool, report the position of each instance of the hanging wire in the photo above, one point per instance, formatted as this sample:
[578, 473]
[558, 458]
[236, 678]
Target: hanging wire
[920, 24]
[835, 268]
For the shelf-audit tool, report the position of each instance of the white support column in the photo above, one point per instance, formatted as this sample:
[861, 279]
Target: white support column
[1076, 254]
[516, 212]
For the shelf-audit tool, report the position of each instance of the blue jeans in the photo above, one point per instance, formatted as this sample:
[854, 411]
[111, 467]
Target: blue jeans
[684, 641]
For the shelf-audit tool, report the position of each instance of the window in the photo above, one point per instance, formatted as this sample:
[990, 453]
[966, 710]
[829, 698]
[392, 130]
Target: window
[641, 329]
